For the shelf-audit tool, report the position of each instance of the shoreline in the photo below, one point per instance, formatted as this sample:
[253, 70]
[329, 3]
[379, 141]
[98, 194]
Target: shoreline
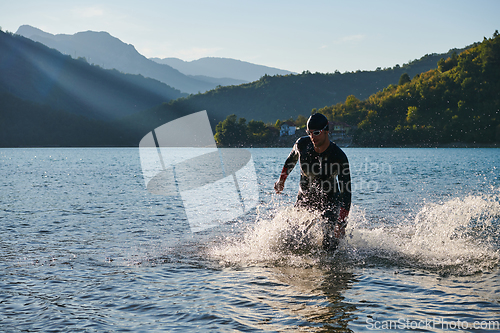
[436, 145]
[289, 144]
[344, 144]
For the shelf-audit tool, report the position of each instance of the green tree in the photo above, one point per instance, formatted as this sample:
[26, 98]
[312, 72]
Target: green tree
[257, 132]
[404, 78]
[351, 101]
[446, 65]
[231, 132]
[412, 114]
[300, 121]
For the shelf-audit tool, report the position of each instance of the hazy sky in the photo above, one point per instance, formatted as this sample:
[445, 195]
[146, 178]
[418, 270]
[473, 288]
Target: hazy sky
[321, 36]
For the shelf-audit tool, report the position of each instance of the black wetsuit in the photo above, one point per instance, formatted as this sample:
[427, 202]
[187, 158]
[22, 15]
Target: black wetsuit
[325, 179]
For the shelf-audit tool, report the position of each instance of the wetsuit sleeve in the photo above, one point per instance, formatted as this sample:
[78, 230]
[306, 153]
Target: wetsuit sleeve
[344, 182]
[291, 161]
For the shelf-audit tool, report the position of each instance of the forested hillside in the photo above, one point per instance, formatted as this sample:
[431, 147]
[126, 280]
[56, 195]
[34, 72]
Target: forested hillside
[29, 124]
[288, 96]
[31, 71]
[47, 98]
[457, 102]
[50, 99]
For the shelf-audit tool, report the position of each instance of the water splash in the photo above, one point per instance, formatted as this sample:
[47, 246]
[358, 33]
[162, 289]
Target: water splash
[459, 236]
[291, 237]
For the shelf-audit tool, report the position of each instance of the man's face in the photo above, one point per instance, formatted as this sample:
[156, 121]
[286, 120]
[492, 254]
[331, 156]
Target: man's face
[320, 139]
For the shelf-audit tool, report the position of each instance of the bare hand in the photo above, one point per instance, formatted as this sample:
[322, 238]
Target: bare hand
[279, 186]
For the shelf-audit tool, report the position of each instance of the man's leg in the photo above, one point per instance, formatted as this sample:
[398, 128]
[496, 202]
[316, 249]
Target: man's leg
[330, 241]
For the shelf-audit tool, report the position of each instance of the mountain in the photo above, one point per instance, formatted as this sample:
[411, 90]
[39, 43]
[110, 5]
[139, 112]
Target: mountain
[280, 97]
[45, 92]
[50, 99]
[102, 49]
[219, 81]
[284, 97]
[222, 68]
[31, 71]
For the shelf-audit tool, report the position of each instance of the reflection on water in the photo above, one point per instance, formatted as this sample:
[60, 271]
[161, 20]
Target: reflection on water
[322, 302]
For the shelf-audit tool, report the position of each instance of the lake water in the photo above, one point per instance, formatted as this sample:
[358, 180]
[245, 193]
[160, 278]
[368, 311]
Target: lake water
[86, 248]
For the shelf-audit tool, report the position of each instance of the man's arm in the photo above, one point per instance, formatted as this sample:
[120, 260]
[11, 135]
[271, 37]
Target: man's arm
[344, 181]
[280, 184]
[290, 162]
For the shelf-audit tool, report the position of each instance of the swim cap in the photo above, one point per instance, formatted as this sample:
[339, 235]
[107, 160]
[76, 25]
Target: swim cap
[317, 122]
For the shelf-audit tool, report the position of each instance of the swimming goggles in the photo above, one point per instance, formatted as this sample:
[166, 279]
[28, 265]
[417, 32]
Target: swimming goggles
[316, 132]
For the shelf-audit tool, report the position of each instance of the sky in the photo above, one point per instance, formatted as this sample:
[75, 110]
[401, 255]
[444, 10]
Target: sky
[318, 36]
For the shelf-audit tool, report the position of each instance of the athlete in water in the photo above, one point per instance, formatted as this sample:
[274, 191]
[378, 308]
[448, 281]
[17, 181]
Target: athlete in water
[325, 179]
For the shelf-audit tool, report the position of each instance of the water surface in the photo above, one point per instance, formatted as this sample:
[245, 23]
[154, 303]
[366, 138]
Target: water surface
[84, 247]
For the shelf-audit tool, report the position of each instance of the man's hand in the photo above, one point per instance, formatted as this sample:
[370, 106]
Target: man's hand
[343, 215]
[279, 186]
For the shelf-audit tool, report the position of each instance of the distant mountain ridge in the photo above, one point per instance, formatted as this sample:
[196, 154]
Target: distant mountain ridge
[45, 95]
[288, 96]
[102, 49]
[222, 68]
[281, 97]
[34, 72]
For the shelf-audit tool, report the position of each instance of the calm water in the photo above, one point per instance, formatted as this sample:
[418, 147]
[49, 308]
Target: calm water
[84, 247]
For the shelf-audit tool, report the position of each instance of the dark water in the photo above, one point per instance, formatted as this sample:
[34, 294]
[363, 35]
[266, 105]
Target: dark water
[85, 248]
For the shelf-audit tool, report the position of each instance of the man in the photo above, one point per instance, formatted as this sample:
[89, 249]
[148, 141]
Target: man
[325, 179]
